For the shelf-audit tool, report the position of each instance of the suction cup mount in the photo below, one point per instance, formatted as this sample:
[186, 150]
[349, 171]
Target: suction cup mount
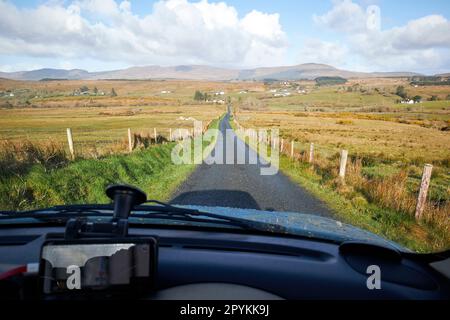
[125, 197]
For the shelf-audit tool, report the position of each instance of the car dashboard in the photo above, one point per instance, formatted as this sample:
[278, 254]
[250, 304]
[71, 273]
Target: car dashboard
[212, 264]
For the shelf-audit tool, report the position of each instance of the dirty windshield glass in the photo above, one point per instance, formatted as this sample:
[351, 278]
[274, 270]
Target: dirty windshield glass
[332, 117]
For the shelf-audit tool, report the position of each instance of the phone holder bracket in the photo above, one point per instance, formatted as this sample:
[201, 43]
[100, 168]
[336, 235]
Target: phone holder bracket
[124, 198]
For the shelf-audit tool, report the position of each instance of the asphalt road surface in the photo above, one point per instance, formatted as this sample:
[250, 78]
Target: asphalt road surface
[243, 186]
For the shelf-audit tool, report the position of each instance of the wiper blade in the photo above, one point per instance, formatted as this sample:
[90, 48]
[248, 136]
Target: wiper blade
[160, 211]
[56, 210]
[195, 215]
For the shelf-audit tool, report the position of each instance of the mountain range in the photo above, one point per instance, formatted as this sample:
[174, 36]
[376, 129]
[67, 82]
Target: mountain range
[309, 71]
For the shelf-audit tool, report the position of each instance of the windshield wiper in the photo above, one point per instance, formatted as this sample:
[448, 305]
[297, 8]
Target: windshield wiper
[159, 211]
[57, 212]
[82, 208]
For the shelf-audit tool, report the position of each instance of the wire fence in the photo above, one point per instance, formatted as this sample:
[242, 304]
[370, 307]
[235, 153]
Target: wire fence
[336, 163]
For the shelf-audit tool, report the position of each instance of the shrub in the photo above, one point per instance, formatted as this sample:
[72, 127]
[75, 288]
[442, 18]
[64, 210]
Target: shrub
[345, 122]
[401, 92]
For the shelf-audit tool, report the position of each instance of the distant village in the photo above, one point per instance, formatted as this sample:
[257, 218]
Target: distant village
[85, 91]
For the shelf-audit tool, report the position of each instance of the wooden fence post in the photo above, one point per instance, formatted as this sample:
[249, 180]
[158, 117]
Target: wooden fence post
[282, 146]
[130, 141]
[422, 198]
[343, 165]
[170, 134]
[154, 134]
[70, 140]
[311, 152]
[292, 149]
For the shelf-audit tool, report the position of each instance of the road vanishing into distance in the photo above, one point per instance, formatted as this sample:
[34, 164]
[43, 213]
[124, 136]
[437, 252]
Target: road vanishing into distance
[243, 186]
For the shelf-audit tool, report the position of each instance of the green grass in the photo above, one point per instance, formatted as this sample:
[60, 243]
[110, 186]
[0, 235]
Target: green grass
[433, 105]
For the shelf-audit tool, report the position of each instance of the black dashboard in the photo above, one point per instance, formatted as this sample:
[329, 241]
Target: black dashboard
[221, 264]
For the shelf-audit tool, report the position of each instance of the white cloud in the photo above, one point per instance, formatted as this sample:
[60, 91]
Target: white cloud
[427, 32]
[318, 51]
[420, 45]
[345, 16]
[264, 26]
[176, 32]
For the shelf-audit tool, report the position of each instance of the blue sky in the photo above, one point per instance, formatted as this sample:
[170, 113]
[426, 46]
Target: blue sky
[100, 35]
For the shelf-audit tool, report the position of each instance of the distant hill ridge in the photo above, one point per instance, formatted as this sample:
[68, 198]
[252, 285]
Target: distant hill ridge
[309, 71]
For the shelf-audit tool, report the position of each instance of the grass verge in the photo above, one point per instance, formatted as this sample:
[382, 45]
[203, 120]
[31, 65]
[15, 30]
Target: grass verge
[84, 181]
[353, 208]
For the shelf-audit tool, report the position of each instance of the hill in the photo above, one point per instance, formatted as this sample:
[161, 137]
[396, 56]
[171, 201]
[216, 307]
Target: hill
[309, 71]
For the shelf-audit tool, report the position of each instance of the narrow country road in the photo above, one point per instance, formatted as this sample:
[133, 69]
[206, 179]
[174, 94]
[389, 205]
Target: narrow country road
[242, 185]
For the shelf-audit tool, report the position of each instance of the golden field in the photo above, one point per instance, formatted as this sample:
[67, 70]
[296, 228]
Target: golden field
[41, 111]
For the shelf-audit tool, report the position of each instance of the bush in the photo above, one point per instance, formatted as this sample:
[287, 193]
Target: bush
[198, 96]
[345, 122]
[401, 92]
[417, 98]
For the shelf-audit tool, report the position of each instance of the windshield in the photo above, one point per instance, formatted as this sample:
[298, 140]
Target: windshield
[331, 118]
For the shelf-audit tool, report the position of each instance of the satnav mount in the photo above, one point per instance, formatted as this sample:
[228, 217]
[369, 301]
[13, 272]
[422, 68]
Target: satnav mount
[124, 197]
